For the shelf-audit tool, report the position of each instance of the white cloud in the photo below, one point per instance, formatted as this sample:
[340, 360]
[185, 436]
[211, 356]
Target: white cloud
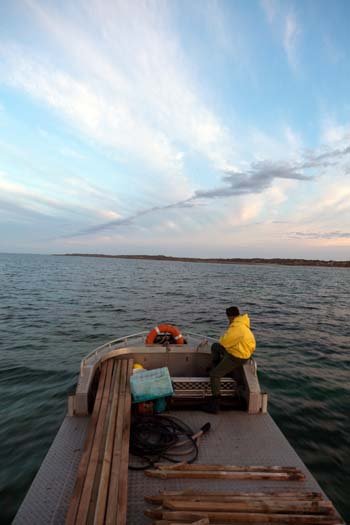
[118, 72]
[333, 133]
[290, 38]
[126, 83]
[71, 153]
[102, 118]
[285, 24]
[293, 140]
[69, 203]
[108, 214]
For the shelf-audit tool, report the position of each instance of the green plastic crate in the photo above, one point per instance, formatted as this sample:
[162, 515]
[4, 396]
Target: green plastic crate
[151, 384]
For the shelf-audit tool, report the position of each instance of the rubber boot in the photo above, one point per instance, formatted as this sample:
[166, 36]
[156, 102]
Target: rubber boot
[213, 406]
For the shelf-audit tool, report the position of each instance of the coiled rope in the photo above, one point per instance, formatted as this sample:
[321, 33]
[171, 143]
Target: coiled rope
[156, 437]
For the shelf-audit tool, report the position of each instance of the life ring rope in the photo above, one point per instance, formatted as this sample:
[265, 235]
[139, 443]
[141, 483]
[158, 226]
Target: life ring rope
[165, 328]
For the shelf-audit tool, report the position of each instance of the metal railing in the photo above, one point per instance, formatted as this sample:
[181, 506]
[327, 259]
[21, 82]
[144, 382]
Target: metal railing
[114, 343]
[101, 350]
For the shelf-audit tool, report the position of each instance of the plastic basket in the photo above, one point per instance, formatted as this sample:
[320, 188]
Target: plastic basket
[151, 384]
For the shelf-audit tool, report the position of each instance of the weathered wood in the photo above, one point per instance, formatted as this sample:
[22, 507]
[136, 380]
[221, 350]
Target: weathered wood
[239, 496]
[101, 502]
[278, 493]
[116, 456]
[188, 474]
[313, 507]
[167, 522]
[93, 462]
[229, 517]
[124, 463]
[100, 496]
[84, 461]
[170, 466]
[270, 493]
[97, 476]
[71, 405]
[235, 468]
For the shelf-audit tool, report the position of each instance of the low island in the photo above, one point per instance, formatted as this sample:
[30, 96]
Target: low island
[255, 260]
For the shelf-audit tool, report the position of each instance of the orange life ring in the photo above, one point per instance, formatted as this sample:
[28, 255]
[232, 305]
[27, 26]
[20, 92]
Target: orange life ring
[165, 329]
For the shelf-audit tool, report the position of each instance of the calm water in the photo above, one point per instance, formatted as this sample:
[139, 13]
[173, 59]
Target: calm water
[54, 310]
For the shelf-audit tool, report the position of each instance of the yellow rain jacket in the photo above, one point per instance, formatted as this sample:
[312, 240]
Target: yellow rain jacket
[238, 339]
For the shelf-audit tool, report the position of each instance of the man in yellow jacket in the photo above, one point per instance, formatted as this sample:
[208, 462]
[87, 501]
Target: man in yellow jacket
[234, 349]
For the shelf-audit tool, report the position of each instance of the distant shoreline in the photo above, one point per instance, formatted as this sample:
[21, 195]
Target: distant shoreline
[252, 261]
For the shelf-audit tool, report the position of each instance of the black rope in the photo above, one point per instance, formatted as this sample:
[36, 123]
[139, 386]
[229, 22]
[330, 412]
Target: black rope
[153, 437]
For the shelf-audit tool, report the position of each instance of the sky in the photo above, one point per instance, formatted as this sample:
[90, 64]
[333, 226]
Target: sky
[205, 128]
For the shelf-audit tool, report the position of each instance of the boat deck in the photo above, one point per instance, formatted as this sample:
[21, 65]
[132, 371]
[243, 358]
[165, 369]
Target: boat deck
[235, 438]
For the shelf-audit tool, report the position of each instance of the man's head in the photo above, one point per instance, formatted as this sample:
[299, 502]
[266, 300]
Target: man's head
[232, 312]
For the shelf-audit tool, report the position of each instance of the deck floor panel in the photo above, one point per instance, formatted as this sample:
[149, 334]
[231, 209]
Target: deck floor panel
[236, 438]
[48, 498]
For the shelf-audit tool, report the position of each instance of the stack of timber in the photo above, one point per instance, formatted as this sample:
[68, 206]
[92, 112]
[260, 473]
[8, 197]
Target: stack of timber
[200, 508]
[100, 493]
[189, 471]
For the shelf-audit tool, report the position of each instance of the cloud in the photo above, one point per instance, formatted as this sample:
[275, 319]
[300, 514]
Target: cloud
[334, 133]
[128, 221]
[255, 180]
[14, 211]
[290, 38]
[331, 154]
[107, 120]
[68, 203]
[124, 80]
[320, 235]
[286, 26]
[258, 178]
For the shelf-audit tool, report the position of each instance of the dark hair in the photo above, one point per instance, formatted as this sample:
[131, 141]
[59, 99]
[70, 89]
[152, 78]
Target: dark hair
[232, 311]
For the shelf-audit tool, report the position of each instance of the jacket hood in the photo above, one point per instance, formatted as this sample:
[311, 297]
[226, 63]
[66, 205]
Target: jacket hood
[242, 319]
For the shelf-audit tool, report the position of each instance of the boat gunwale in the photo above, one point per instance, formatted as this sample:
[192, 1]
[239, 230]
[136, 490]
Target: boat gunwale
[137, 335]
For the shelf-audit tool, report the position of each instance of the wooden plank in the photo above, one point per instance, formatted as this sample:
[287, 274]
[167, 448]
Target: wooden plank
[84, 461]
[187, 474]
[234, 468]
[101, 501]
[204, 521]
[170, 466]
[206, 494]
[97, 479]
[91, 470]
[167, 522]
[124, 464]
[112, 499]
[229, 517]
[158, 500]
[304, 507]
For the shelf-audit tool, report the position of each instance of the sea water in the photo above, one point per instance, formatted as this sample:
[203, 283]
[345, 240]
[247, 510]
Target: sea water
[55, 310]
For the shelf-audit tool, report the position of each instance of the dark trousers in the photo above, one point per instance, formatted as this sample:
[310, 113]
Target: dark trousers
[223, 363]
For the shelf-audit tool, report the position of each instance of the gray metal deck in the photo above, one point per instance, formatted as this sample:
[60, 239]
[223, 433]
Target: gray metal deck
[235, 438]
[48, 498]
